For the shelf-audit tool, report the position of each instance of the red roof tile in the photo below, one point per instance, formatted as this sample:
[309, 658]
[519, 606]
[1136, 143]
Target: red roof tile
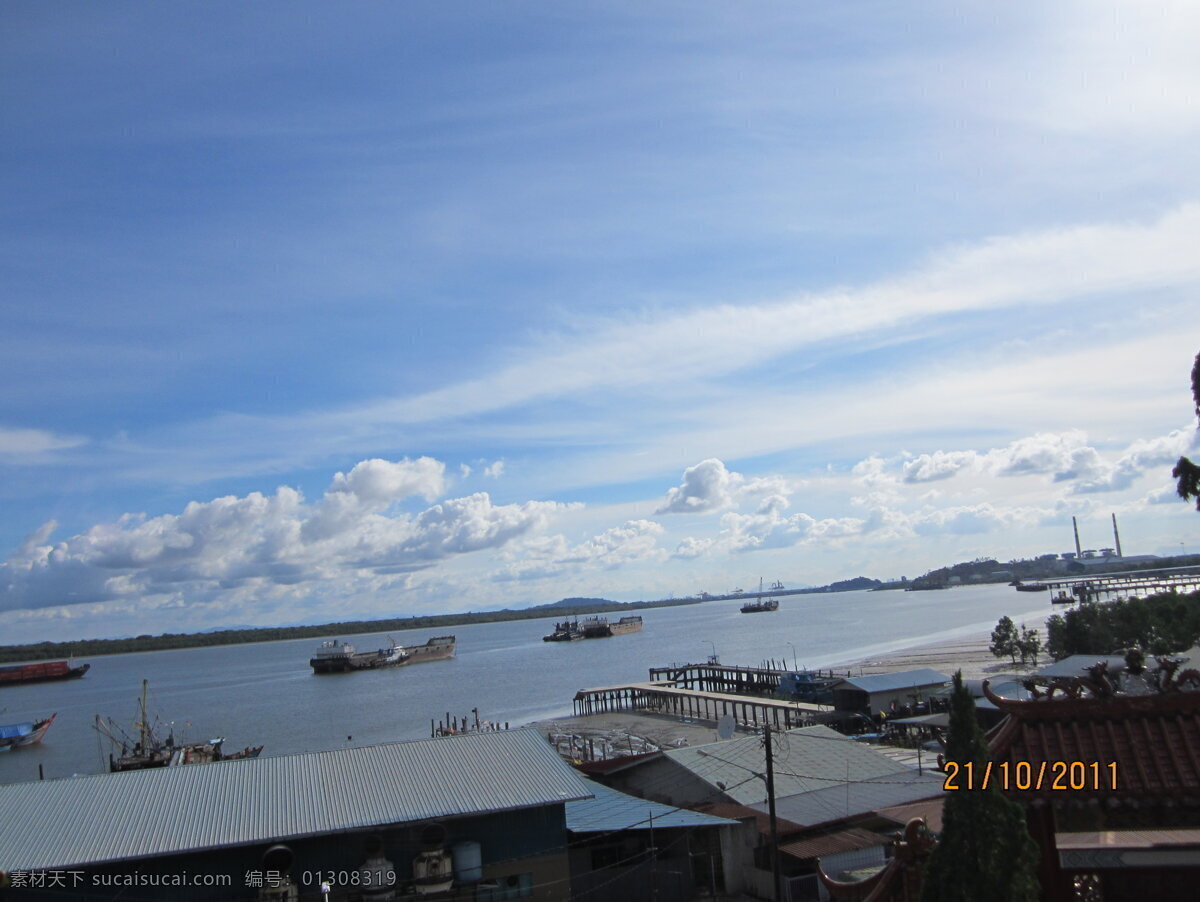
[1153, 739]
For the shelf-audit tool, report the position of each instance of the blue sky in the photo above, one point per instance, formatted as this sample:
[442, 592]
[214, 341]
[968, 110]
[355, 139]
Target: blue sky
[316, 312]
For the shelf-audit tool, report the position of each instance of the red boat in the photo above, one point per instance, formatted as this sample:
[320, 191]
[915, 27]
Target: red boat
[41, 672]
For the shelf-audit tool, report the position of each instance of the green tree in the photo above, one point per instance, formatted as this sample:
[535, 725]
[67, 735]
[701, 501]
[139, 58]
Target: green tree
[1187, 473]
[1029, 645]
[1004, 639]
[985, 853]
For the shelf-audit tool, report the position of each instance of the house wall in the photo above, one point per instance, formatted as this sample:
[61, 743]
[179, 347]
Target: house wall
[622, 866]
[851, 699]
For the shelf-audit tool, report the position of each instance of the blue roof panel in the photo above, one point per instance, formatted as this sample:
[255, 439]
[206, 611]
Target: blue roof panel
[609, 810]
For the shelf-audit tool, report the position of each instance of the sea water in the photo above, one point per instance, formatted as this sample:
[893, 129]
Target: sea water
[266, 694]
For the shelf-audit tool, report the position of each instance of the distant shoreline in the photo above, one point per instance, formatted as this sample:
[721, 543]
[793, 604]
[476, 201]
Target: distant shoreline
[81, 648]
[41, 651]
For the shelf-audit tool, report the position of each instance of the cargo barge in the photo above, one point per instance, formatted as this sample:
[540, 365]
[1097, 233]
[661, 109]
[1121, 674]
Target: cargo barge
[335, 656]
[41, 672]
[601, 628]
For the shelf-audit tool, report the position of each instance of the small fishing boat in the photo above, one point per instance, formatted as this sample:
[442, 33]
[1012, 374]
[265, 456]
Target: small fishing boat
[149, 749]
[762, 604]
[15, 735]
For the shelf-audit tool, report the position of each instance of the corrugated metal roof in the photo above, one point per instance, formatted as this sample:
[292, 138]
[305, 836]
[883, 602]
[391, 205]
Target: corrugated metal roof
[611, 810]
[831, 843]
[888, 682]
[835, 803]
[806, 759]
[113, 817]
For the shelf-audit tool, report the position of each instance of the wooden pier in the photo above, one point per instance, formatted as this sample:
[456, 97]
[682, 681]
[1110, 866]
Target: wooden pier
[721, 678]
[666, 698]
[1131, 583]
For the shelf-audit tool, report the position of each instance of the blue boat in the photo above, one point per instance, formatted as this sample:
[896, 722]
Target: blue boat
[17, 734]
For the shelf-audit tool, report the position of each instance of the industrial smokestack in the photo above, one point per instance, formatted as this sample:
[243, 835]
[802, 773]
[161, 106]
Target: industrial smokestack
[1075, 526]
[1116, 535]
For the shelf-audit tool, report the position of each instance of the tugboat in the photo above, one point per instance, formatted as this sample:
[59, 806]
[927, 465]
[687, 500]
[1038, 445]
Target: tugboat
[335, 656]
[757, 607]
[762, 604]
[567, 631]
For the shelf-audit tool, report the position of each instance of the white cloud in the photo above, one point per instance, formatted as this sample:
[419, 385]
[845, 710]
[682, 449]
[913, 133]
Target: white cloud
[938, 465]
[1056, 454]
[377, 483]
[1036, 268]
[1065, 457]
[494, 470]
[707, 486]
[710, 486]
[216, 546]
[963, 520]
[27, 445]
[691, 548]
[634, 541]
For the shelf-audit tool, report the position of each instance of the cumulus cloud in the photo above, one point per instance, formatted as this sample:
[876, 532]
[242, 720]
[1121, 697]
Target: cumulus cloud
[769, 526]
[965, 520]
[494, 470]
[691, 548]
[1064, 457]
[938, 465]
[710, 486]
[635, 540]
[264, 540]
[706, 486]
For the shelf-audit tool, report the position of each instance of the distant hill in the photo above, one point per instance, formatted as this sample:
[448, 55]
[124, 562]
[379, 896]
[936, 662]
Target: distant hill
[572, 603]
[853, 585]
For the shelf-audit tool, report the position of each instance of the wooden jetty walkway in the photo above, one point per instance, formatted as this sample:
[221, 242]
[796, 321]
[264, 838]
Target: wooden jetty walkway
[714, 677]
[1127, 583]
[667, 698]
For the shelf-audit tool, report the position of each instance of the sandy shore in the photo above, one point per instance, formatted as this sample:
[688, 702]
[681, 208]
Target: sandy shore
[624, 732]
[970, 654]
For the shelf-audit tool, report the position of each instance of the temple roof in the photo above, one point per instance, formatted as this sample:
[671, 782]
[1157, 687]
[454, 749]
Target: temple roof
[1153, 739]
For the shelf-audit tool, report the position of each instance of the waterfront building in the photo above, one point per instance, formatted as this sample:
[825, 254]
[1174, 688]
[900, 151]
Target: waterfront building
[887, 691]
[484, 811]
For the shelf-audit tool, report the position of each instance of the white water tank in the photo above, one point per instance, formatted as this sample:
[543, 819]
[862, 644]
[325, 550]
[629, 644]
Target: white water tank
[468, 861]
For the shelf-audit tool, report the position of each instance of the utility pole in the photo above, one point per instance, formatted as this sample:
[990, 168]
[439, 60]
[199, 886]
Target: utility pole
[771, 810]
[653, 861]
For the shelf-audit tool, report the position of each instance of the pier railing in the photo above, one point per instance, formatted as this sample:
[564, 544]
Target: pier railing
[738, 680]
[1131, 583]
[664, 698]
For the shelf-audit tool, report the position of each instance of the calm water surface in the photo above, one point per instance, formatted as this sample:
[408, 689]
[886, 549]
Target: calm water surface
[266, 694]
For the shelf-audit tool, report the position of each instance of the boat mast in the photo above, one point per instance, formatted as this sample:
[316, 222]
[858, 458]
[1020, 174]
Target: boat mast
[142, 724]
